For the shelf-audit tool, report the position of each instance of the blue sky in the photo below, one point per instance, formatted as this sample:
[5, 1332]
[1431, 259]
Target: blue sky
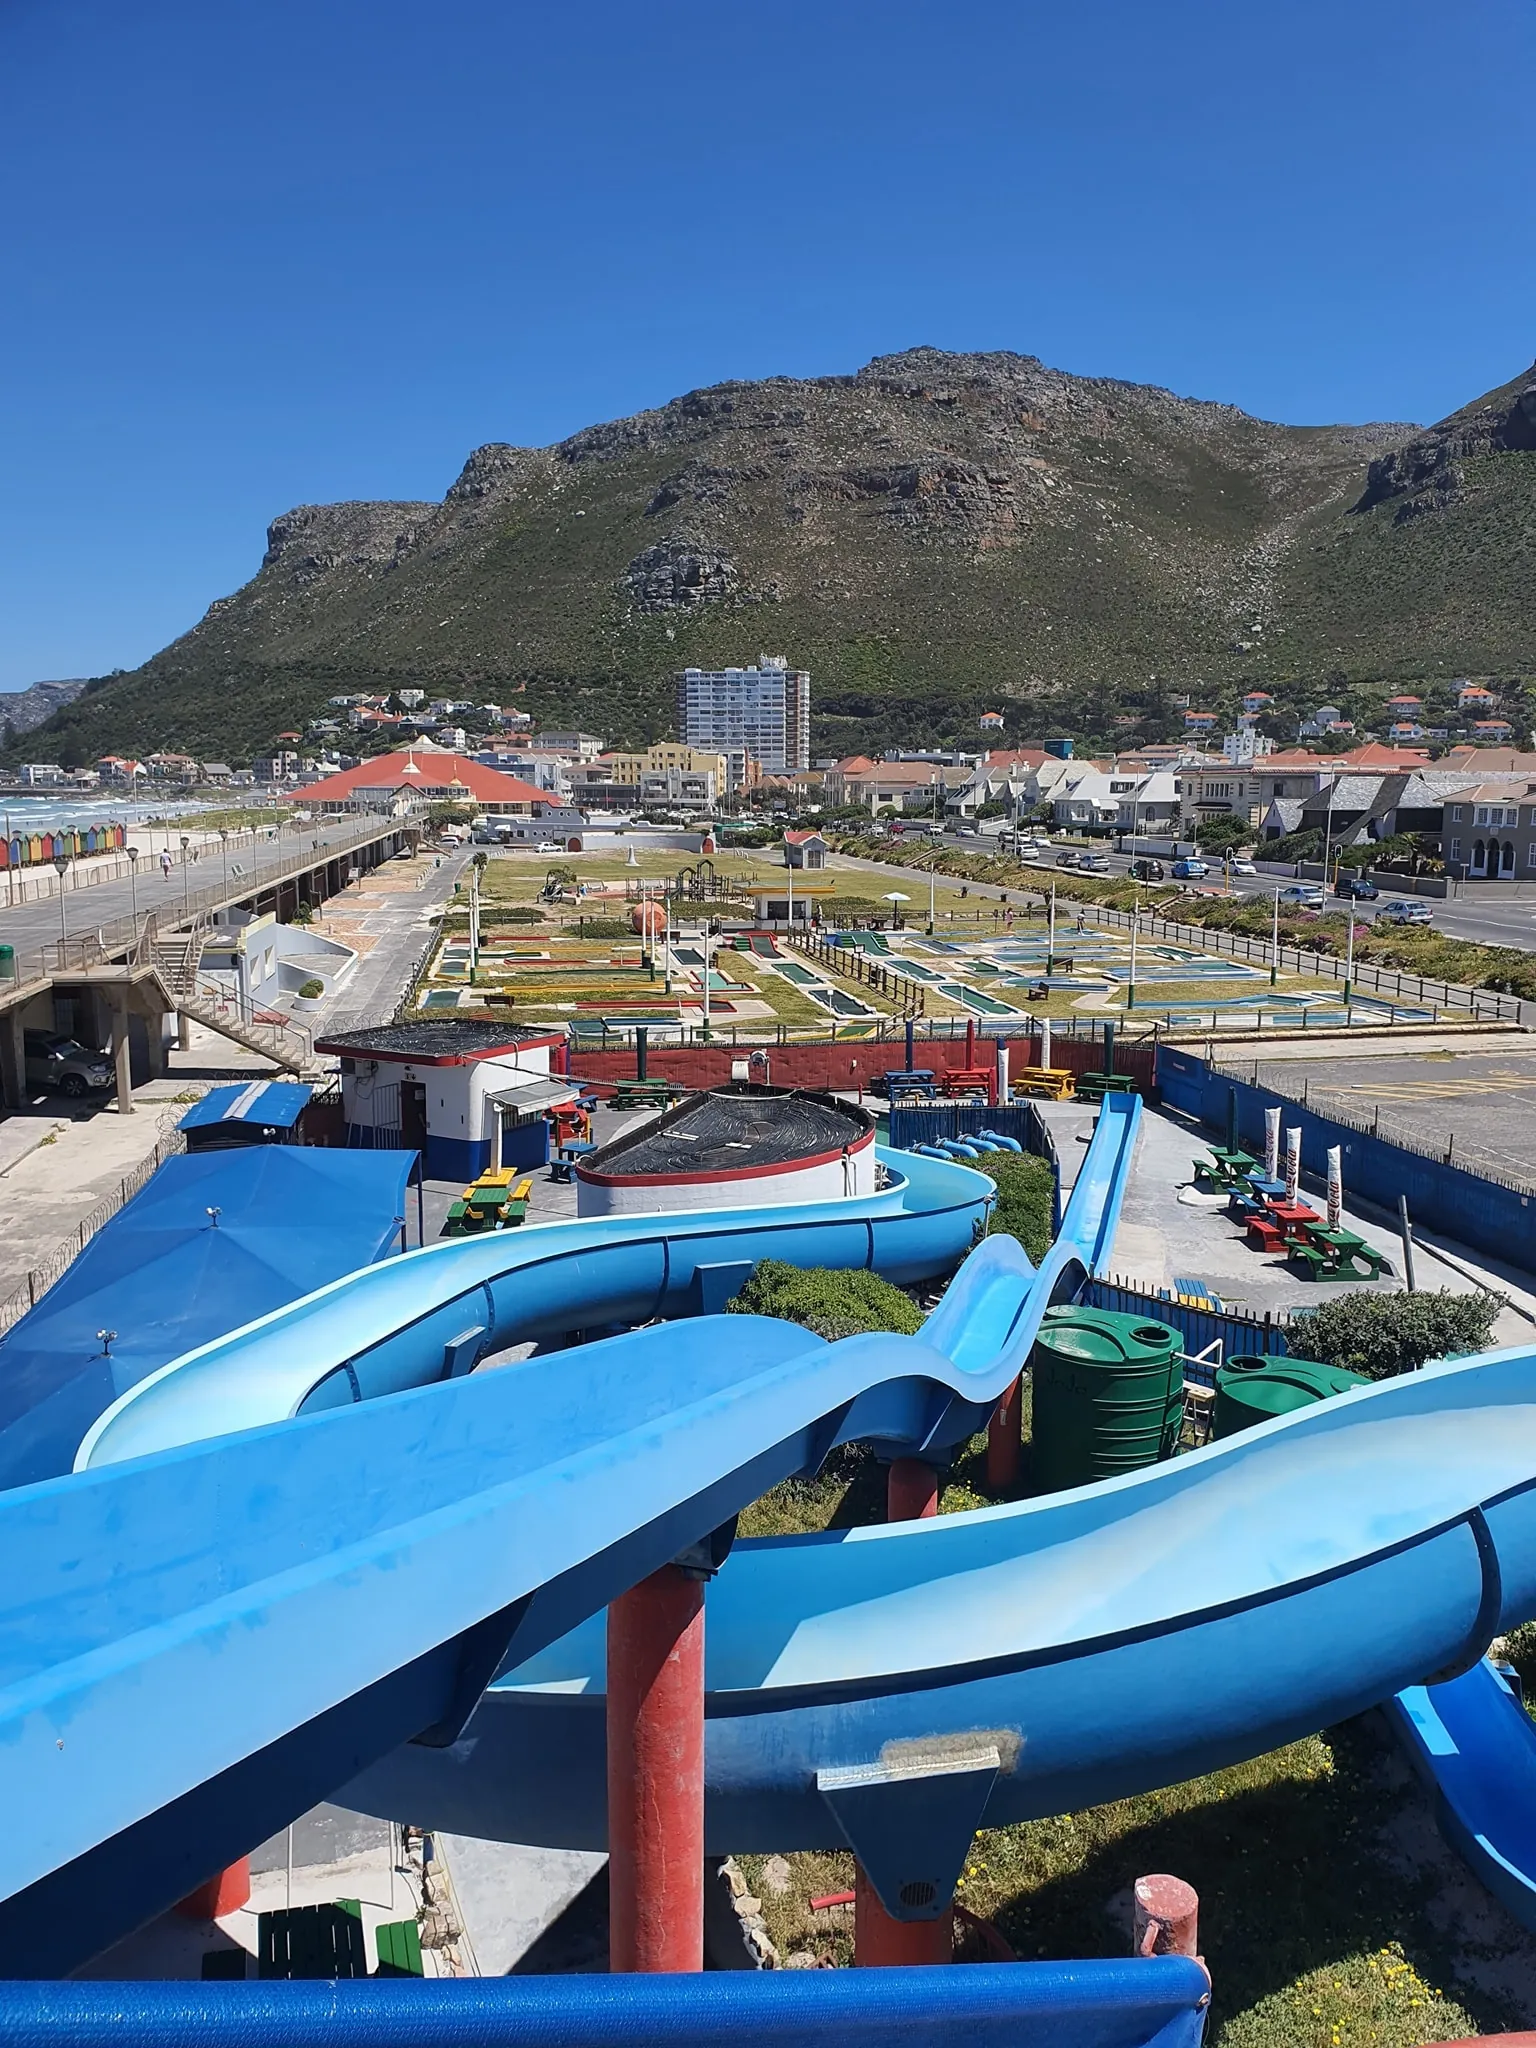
[254, 255]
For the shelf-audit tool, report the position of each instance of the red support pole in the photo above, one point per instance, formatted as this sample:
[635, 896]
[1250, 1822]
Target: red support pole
[1166, 1921]
[1003, 1442]
[226, 1893]
[656, 1774]
[911, 1490]
[881, 1943]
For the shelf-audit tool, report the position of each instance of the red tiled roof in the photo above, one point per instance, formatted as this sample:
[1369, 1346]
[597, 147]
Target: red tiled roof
[418, 769]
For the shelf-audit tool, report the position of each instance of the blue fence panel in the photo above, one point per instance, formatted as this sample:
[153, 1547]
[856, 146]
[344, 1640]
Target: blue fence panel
[1441, 1196]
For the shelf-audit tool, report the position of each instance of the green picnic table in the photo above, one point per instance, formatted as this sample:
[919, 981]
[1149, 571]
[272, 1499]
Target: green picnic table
[1334, 1254]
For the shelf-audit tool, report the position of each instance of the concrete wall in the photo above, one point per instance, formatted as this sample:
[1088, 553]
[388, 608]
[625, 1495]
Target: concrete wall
[824, 1180]
[461, 1119]
[1441, 1197]
[849, 1064]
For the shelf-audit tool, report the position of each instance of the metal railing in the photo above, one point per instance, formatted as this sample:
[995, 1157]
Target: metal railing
[111, 939]
[31, 1291]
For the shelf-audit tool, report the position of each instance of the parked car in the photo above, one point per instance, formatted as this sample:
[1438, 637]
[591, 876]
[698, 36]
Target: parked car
[1303, 896]
[1145, 869]
[549, 846]
[54, 1061]
[1360, 887]
[1240, 866]
[1405, 910]
[1190, 870]
[1094, 863]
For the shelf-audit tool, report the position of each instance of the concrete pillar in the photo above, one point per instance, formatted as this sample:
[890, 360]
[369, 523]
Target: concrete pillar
[183, 1032]
[13, 1070]
[121, 1054]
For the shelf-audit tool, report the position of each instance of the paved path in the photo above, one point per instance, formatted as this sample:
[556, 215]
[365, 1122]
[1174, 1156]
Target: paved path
[32, 926]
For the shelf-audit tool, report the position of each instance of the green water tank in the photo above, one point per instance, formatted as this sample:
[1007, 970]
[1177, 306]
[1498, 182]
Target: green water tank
[1253, 1390]
[1107, 1396]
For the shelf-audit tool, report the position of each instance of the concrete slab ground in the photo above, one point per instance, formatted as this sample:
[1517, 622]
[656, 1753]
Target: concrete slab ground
[328, 1854]
[1168, 1229]
[1474, 1097]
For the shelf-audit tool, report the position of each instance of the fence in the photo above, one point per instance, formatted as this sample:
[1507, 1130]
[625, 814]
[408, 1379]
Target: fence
[110, 938]
[1239, 1333]
[1490, 1209]
[1391, 982]
[41, 1278]
[930, 1123]
[855, 964]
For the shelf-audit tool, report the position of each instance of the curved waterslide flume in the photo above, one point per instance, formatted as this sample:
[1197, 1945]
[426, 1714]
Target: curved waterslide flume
[1475, 1745]
[342, 1581]
[1106, 1642]
[432, 1313]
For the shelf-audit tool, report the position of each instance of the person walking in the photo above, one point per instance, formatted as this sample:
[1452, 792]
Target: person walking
[165, 862]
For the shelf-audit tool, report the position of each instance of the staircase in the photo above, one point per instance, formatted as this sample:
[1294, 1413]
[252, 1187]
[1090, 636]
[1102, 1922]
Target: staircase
[176, 957]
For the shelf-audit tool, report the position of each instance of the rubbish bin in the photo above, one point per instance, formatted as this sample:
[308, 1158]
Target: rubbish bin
[1107, 1396]
[7, 963]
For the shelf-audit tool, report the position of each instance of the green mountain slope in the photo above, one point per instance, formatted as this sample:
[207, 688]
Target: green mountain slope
[936, 535]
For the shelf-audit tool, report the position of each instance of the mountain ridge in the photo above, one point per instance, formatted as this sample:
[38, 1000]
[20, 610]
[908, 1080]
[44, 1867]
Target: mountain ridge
[930, 535]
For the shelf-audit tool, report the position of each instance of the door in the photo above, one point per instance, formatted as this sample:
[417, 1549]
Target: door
[413, 1116]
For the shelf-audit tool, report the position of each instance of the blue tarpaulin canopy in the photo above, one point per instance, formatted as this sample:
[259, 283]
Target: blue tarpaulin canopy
[166, 1276]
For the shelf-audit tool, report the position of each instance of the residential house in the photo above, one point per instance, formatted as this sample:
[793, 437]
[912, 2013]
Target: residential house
[1474, 697]
[1199, 721]
[167, 767]
[1151, 808]
[1325, 721]
[41, 774]
[1009, 776]
[1491, 732]
[217, 774]
[991, 721]
[120, 772]
[1256, 702]
[910, 785]
[1405, 707]
[1404, 729]
[1490, 830]
[579, 746]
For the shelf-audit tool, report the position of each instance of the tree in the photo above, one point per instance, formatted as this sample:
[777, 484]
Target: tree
[1216, 835]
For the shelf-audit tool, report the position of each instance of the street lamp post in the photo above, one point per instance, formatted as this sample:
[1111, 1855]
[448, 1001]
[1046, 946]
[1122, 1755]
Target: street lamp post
[1349, 961]
[224, 843]
[186, 907]
[133, 884]
[1274, 942]
[61, 862]
[1328, 830]
[1130, 986]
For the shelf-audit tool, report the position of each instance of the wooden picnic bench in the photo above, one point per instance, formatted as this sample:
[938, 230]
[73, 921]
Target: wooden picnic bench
[646, 1094]
[1094, 1087]
[967, 1081]
[1052, 1084]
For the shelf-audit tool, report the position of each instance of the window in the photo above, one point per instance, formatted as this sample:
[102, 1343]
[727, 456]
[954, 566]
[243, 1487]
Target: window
[1481, 815]
[1530, 855]
[1455, 849]
[1458, 812]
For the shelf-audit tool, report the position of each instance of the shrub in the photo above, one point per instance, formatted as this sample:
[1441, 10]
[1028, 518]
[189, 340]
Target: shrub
[830, 1302]
[521, 913]
[602, 928]
[312, 988]
[1025, 1186]
[1381, 1335]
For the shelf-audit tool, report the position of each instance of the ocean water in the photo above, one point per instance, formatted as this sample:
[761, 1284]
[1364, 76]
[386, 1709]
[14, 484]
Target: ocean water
[45, 813]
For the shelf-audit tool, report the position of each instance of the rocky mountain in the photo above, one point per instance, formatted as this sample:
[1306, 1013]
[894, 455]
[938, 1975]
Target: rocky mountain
[933, 535]
[25, 710]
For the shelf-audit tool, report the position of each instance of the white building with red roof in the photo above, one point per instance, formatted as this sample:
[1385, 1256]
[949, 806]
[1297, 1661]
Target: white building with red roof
[392, 782]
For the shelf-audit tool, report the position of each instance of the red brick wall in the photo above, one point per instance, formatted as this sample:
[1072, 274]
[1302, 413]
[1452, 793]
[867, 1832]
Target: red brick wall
[851, 1064]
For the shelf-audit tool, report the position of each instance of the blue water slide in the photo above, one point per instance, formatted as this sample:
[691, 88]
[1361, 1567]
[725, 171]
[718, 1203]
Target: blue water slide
[327, 1575]
[1475, 1747]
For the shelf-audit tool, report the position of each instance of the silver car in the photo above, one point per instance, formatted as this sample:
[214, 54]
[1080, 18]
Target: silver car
[54, 1061]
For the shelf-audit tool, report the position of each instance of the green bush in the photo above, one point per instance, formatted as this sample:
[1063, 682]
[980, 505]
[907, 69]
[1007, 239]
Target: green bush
[521, 913]
[1025, 1186]
[830, 1302]
[602, 928]
[1381, 1335]
[1215, 835]
[312, 988]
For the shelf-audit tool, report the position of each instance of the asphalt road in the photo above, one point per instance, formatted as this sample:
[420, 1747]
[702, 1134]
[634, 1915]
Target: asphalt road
[1497, 913]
